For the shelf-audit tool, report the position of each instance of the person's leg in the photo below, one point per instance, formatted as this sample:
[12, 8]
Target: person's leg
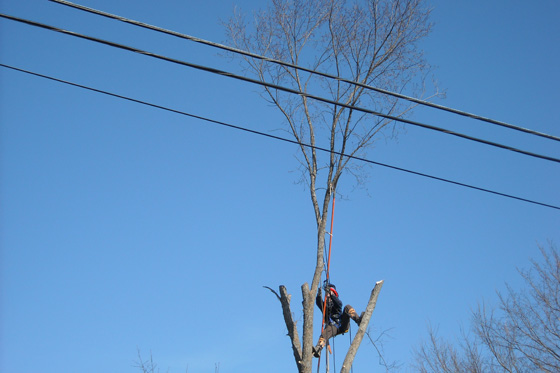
[351, 313]
[328, 332]
[344, 321]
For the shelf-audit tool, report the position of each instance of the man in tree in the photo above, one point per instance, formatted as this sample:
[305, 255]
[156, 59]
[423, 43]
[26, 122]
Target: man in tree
[336, 319]
[367, 45]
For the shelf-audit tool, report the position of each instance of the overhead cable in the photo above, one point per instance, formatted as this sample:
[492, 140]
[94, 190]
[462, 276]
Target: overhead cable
[290, 65]
[277, 87]
[221, 123]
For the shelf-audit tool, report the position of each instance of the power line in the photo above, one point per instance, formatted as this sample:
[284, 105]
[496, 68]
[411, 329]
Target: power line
[221, 123]
[277, 87]
[286, 64]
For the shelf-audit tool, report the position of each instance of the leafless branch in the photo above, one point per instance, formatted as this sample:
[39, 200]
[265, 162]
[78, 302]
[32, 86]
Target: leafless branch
[521, 335]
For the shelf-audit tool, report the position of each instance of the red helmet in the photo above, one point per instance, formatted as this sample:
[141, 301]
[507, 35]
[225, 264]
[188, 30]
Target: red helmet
[332, 288]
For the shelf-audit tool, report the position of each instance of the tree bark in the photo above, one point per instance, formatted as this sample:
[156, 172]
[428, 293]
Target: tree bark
[284, 299]
[291, 325]
[347, 364]
[308, 303]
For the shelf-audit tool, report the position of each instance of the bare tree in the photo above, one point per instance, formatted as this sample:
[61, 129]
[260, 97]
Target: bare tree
[146, 366]
[440, 356]
[521, 335]
[370, 42]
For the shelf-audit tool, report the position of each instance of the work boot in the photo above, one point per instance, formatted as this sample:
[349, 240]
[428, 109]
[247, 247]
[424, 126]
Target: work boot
[359, 321]
[354, 315]
[317, 349]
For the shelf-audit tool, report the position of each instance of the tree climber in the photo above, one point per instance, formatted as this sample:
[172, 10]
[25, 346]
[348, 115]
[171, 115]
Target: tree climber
[337, 320]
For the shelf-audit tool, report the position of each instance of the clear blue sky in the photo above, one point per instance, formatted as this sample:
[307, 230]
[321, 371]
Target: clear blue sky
[125, 227]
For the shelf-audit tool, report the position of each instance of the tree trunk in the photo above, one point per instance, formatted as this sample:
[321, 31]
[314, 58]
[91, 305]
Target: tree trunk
[347, 364]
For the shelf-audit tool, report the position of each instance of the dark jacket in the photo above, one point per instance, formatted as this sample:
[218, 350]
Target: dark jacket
[333, 311]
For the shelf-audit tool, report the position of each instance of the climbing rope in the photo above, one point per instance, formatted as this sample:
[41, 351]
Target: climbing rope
[327, 281]
[330, 238]
[333, 356]
[350, 335]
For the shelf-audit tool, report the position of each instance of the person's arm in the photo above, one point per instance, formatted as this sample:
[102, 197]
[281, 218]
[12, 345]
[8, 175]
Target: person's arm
[319, 300]
[337, 304]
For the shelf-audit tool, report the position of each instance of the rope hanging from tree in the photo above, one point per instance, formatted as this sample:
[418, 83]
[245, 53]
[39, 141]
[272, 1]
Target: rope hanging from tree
[327, 281]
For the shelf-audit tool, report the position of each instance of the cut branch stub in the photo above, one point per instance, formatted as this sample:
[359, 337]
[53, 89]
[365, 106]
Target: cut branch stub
[347, 364]
[284, 299]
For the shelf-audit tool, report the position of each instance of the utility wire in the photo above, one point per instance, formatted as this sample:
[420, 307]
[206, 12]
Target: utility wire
[280, 138]
[286, 64]
[277, 87]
